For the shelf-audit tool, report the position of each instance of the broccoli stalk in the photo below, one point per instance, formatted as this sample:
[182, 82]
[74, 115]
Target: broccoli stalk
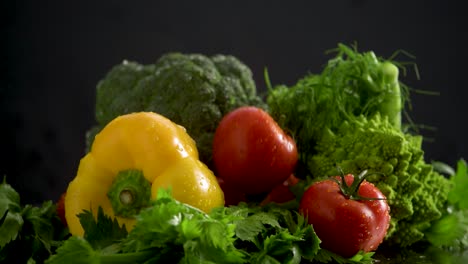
[193, 90]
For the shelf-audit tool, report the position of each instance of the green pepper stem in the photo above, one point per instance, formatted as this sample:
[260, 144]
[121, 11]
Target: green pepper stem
[129, 193]
[126, 197]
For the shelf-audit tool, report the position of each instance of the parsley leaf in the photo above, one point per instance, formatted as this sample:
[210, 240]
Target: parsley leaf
[325, 256]
[36, 231]
[103, 231]
[173, 232]
[250, 227]
[191, 234]
[457, 196]
[10, 211]
[451, 230]
[273, 234]
[75, 250]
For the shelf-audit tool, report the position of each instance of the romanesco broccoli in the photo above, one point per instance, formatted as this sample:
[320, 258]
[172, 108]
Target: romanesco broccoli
[415, 192]
[192, 90]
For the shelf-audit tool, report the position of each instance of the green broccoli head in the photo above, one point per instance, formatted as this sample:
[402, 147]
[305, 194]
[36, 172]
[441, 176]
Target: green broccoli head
[114, 91]
[193, 90]
[415, 192]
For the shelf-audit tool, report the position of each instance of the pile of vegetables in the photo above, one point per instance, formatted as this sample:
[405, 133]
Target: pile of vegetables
[349, 116]
[188, 164]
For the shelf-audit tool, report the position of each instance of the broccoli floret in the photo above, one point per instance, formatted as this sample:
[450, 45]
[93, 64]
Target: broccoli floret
[193, 90]
[415, 192]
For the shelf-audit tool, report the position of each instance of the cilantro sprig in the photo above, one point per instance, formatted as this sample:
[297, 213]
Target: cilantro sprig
[451, 230]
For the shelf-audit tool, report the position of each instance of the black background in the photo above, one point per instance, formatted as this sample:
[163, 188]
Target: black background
[54, 53]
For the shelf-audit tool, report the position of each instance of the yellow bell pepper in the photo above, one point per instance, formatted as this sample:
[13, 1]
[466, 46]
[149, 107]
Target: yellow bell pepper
[130, 159]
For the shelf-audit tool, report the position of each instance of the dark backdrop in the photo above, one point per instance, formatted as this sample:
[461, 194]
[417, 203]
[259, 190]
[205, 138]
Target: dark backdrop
[54, 53]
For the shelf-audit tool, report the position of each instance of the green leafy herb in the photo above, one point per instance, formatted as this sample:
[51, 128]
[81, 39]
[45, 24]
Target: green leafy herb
[75, 250]
[173, 232]
[10, 210]
[36, 231]
[451, 230]
[167, 232]
[326, 256]
[103, 231]
[187, 231]
[457, 196]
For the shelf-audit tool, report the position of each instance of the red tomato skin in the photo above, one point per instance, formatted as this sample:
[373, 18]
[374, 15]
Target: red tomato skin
[346, 226]
[281, 193]
[60, 207]
[251, 151]
[232, 196]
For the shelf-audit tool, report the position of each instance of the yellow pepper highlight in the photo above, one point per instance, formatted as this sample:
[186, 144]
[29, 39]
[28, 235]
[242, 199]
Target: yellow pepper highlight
[148, 142]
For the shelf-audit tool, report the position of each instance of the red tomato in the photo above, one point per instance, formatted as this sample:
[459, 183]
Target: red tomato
[60, 207]
[232, 196]
[251, 152]
[281, 193]
[346, 226]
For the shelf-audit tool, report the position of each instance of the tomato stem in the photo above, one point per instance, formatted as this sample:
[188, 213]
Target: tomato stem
[351, 191]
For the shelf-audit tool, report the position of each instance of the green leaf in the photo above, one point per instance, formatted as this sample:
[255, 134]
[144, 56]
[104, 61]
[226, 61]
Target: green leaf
[449, 231]
[326, 256]
[457, 195]
[41, 220]
[273, 233]
[248, 228]
[280, 243]
[187, 234]
[10, 228]
[443, 168]
[11, 220]
[9, 199]
[190, 230]
[75, 250]
[159, 225]
[102, 232]
[310, 244]
[35, 230]
[213, 233]
[261, 258]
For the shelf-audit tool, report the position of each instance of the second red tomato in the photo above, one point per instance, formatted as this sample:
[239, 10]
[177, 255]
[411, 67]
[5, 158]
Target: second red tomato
[251, 152]
[344, 225]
